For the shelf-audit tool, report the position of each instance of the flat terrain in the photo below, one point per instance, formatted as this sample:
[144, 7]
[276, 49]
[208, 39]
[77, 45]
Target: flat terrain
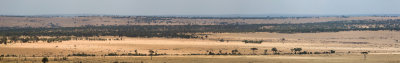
[7, 21]
[323, 58]
[382, 45]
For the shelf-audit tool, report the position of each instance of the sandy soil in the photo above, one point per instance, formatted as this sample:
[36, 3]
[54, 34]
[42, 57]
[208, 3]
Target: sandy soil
[342, 42]
[324, 58]
[381, 44]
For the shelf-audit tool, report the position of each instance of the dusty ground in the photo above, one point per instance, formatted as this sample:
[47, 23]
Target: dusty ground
[374, 41]
[324, 58]
[381, 44]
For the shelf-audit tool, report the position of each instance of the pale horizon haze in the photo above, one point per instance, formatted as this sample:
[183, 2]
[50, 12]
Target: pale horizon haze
[198, 7]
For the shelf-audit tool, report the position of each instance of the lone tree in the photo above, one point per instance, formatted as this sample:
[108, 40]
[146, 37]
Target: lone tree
[14, 38]
[220, 52]
[275, 50]
[254, 49]
[136, 52]
[297, 50]
[265, 51]
[3, 40]
[45, 60]
[35, 38]
[333, 51]
[292, 50]
[235, 51]
[283, 40]
[24, 40]
[365, 54]
[210, 52]
[151, 54]
[221, 40]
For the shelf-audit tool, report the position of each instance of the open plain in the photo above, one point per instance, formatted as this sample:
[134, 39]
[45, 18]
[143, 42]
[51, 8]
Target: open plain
[382, 45]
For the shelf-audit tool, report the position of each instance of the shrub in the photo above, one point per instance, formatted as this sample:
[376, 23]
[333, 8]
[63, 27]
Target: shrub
[45, 60]
[64, 58]
[251, 41]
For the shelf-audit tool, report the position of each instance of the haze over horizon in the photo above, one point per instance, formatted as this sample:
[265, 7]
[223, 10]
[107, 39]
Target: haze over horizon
[199, 7]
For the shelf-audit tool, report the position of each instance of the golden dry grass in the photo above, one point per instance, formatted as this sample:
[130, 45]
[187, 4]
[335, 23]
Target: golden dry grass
[323, 58]
[381, 44]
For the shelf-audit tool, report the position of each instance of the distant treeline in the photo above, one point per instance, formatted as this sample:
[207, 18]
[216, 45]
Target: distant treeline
[31, 39]
[335, 26]
[187, 17]
[187, 31]
[173, 31]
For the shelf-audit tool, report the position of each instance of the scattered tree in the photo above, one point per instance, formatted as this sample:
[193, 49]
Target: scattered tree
[221, 40]
[275, 50]
[64, 58]
[365, 54]
[291, 50]
[252, 41]
[254, 49]
[210, 52]
[35, 38]
[235, 51]
[297, 50]
[265, 51]
[333, 51]
[3, 40]
[45, 60]
[24, 40]
[220, 52]
[151, 54]
[14, 38]
[136, 52]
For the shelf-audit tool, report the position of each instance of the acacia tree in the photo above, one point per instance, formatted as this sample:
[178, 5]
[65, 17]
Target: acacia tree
[24, 40]
[210, 52]
[265, 51]
[365, 54]
[136, 53]
[291, 51]
[34, 38]
[234, 51]
[45, 60]
[14, 38]
[275, 50]
[297, 50]
[151, 54]
[254, 49]
[3, 40]
[220, 52]
[332, 51]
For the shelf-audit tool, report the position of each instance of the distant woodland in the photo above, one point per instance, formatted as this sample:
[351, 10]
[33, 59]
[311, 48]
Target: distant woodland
[188, 31]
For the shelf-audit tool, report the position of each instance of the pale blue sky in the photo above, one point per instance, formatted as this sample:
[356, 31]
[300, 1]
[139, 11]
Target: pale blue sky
[198, 7]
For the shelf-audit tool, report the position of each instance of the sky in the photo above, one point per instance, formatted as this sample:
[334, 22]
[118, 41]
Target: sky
[199, 7]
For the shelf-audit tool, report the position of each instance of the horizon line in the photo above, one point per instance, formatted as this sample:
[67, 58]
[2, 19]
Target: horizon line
[221, 15]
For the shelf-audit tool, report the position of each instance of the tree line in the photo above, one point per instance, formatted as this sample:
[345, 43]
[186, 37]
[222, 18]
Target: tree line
[30, 39]
[275, 51]
[188, 31]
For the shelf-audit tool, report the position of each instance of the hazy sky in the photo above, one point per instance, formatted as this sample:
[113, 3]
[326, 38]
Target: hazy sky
[198, 7]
